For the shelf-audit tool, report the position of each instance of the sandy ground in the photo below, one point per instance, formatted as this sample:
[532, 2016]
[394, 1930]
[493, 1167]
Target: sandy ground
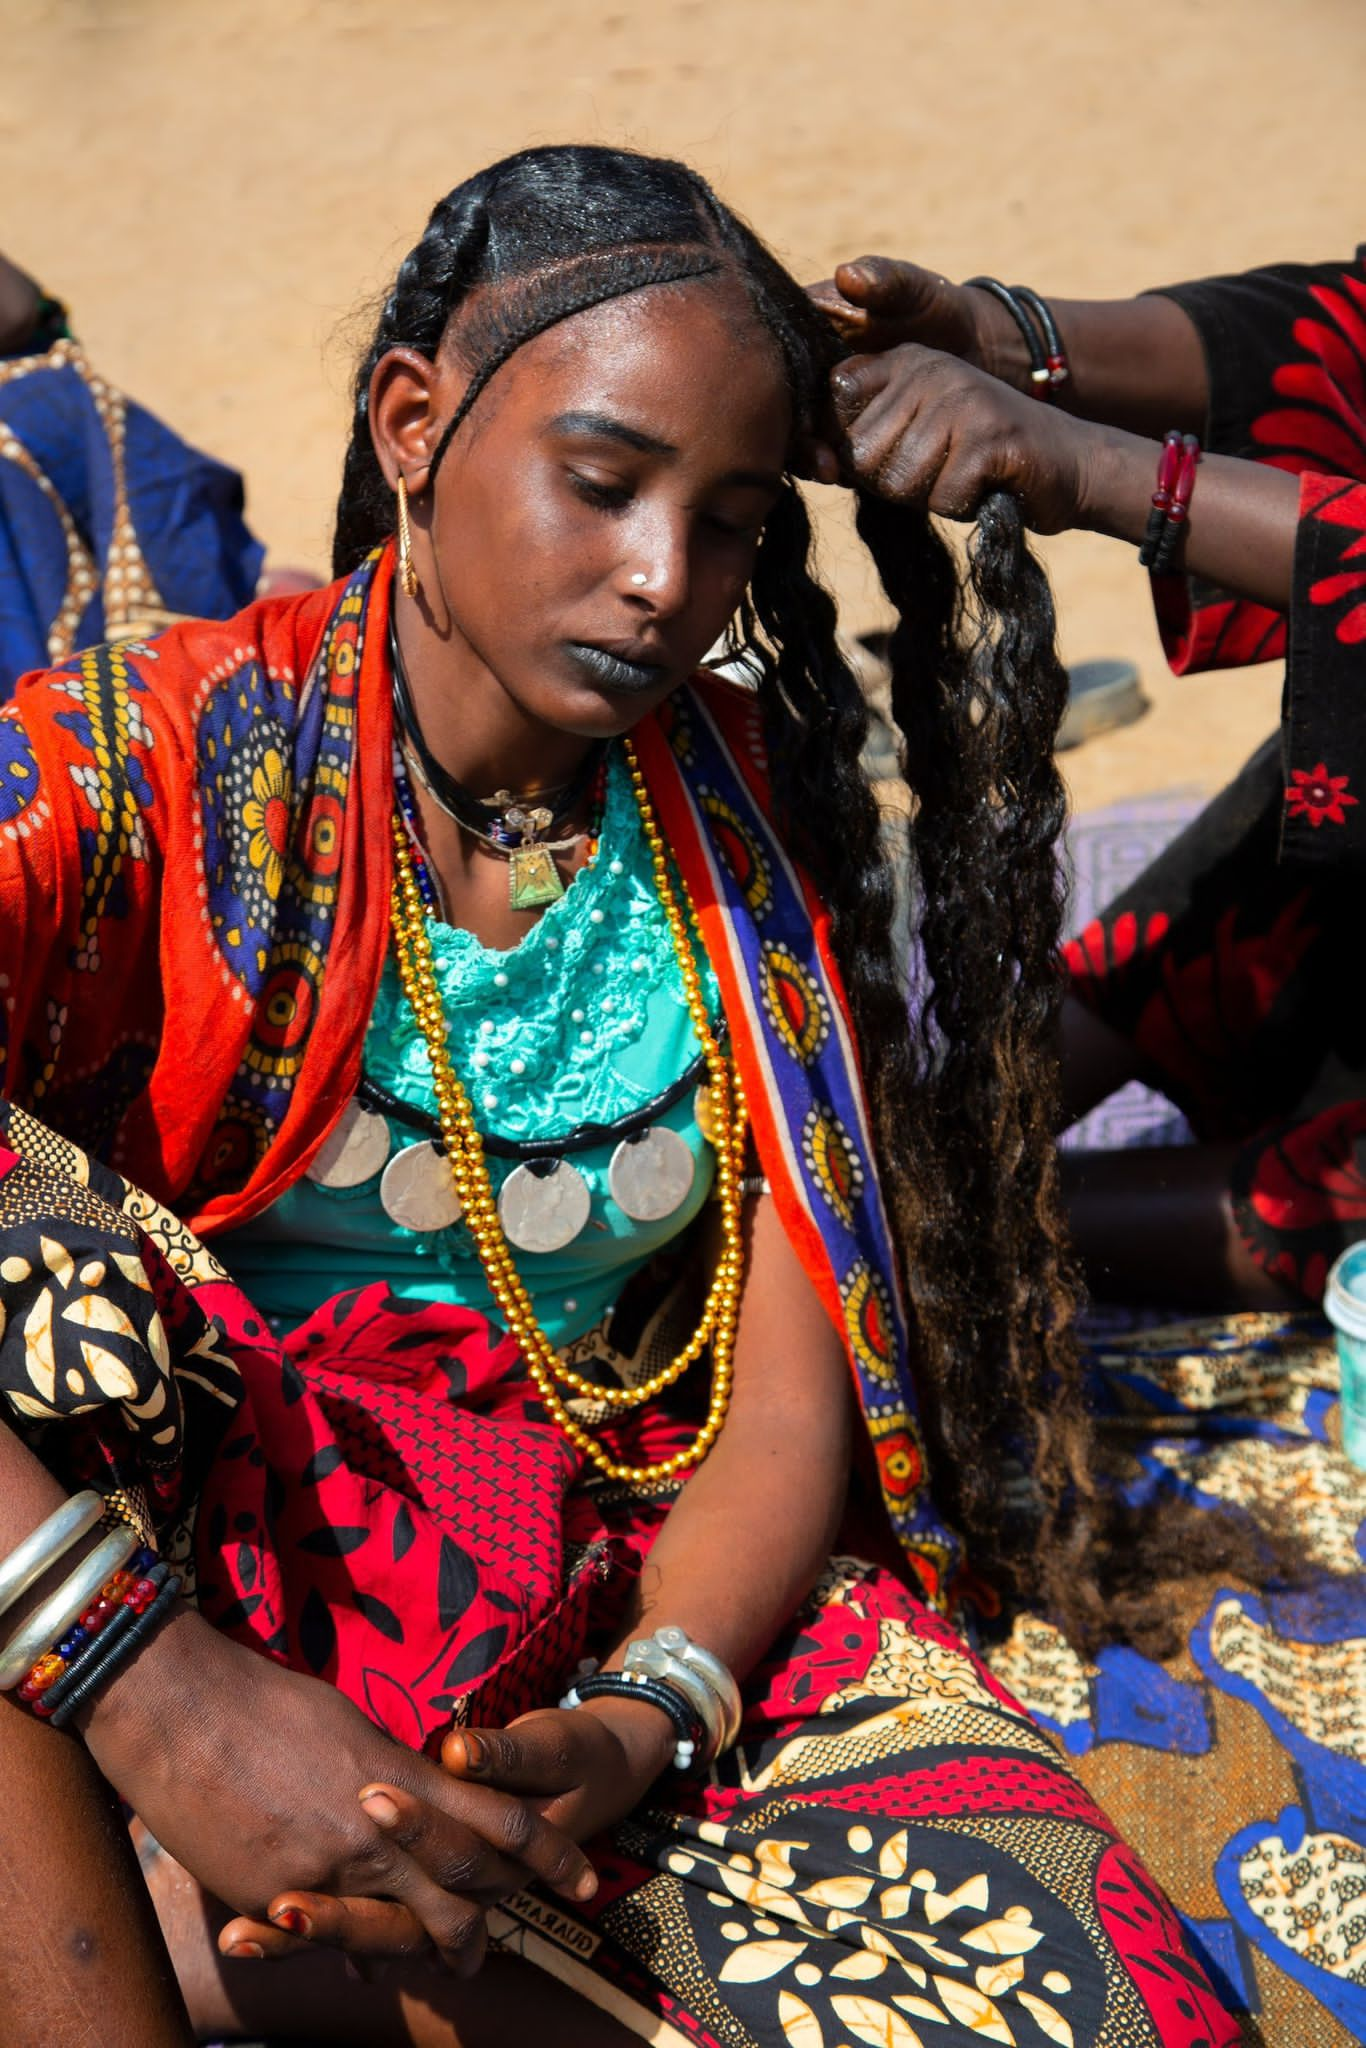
[216, 188]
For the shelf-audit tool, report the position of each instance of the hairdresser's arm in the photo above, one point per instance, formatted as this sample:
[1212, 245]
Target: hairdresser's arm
[923, 428]
[1135, 363]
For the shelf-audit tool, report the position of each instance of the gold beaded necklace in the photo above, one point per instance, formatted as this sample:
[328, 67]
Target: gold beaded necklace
[465, 1153]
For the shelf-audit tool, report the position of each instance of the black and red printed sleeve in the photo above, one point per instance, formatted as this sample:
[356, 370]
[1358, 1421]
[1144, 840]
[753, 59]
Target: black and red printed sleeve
[1286, 354]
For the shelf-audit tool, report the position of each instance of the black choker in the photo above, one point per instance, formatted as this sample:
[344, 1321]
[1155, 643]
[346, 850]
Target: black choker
[508, 821]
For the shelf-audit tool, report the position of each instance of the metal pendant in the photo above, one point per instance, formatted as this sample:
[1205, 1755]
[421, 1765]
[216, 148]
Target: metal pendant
[533, 878]
[651, 1174]
[418, 1189]
[543, 1205]
[355, 1149]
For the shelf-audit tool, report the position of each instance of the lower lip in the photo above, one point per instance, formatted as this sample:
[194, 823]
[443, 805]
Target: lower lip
[610, 672]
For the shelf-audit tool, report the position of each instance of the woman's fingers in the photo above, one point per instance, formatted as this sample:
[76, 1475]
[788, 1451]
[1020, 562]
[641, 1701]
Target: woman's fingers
[541, 1754]
[494, 1845]
[425, 1918]
[294, 1920]
[878, 302]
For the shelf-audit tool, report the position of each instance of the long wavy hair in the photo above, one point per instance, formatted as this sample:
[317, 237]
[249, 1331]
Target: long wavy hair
[963, 1096]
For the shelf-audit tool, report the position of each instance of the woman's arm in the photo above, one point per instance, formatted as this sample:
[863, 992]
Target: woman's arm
[752, 1528]
[1134, 363]
[81, 1960]
[749, 1533]
[925, 428]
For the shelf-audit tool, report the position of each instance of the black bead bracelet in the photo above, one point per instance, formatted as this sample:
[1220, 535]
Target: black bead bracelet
[127, 1644]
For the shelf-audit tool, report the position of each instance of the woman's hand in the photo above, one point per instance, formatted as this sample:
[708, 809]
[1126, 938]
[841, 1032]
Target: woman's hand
[919, 427]
[254, 1778]
[877, 303]
[575, 1770]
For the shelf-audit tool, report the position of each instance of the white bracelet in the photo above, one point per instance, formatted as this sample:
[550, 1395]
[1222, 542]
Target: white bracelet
[50, 1622]
[51, 1539]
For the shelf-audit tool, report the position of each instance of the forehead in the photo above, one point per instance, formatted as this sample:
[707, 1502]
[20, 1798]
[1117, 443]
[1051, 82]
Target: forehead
[686, 364]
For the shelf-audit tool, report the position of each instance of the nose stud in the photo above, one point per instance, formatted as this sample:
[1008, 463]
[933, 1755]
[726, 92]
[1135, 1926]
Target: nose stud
[640, 579]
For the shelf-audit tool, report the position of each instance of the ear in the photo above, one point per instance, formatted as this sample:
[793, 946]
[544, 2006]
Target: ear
[406, 394]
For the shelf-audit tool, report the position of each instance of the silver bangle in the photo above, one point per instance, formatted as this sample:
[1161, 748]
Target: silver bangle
[646, 1657]
[50, 1622]
[716, 1674]
[51, 1539]
[672, 1655]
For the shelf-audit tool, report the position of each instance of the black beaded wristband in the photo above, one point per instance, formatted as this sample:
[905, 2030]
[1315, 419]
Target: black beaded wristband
[95, 1651]
[123, 1649]
[1055, 355]
[616, 1685]
[1039, 373]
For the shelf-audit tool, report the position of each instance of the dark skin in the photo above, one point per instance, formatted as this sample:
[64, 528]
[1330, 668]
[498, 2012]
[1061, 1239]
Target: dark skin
[937, 409]
[644, 440]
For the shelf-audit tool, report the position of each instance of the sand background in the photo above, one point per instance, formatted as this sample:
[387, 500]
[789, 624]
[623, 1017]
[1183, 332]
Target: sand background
[215, 189]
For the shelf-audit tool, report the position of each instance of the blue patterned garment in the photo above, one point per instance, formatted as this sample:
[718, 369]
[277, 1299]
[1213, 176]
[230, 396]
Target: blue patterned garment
[110, 526]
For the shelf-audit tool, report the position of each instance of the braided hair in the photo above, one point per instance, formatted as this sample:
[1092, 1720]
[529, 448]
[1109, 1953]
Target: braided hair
[962, 1101]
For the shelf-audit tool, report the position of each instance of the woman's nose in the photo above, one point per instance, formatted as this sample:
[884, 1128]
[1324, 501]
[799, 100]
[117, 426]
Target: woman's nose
[657, 570]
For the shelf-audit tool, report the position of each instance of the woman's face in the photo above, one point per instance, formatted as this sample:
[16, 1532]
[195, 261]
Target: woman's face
[594, 521]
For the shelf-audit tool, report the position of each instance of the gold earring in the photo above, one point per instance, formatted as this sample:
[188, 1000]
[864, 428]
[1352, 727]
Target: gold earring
[407, 572]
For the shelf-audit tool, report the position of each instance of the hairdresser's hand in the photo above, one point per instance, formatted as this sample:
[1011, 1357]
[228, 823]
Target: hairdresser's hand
[251, 1777]
[877, 303]
[579, 1771]
[921, 428]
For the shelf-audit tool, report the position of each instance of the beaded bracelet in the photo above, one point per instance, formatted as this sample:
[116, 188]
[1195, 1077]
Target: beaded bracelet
[1004, 296]
[80, 1658]
[118, 1653]
[1055, 356]
[125, 1587]
[50, 1621]
[1176, 467]
[1179, 510]
[619, 1685]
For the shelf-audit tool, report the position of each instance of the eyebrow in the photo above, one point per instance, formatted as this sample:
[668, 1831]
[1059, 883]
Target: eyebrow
[600, 426]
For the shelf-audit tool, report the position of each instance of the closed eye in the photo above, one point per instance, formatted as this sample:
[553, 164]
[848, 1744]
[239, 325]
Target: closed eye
[607, 497]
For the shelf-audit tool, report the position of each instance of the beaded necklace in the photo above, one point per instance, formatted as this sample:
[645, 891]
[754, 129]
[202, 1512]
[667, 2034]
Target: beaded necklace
[464, 1150]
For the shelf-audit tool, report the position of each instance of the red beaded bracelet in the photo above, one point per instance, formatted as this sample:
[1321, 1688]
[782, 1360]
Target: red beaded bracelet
[1176, 467]
[124, 1589]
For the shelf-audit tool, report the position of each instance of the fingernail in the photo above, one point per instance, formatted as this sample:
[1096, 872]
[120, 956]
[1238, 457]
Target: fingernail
[586, 1885]
[381, 1809]
[476, 1756]
[293, 1920]
[246, 1951]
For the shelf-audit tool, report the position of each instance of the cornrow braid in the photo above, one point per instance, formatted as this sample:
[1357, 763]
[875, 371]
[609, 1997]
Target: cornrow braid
[531, 305]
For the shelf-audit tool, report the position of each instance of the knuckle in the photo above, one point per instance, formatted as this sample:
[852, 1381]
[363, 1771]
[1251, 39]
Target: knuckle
[457, 1928]
[515, 1829]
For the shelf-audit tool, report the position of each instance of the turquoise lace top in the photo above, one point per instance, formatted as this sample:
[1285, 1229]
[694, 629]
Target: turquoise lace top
[582, 1022]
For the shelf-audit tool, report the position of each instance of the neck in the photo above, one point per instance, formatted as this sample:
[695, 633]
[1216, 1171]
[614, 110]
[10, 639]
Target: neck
[469, 722]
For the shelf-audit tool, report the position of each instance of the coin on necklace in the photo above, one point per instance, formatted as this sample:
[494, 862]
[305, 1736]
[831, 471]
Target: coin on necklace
[354, 1149]
[543, 1205]
[418, 1189]
[651, 1174]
